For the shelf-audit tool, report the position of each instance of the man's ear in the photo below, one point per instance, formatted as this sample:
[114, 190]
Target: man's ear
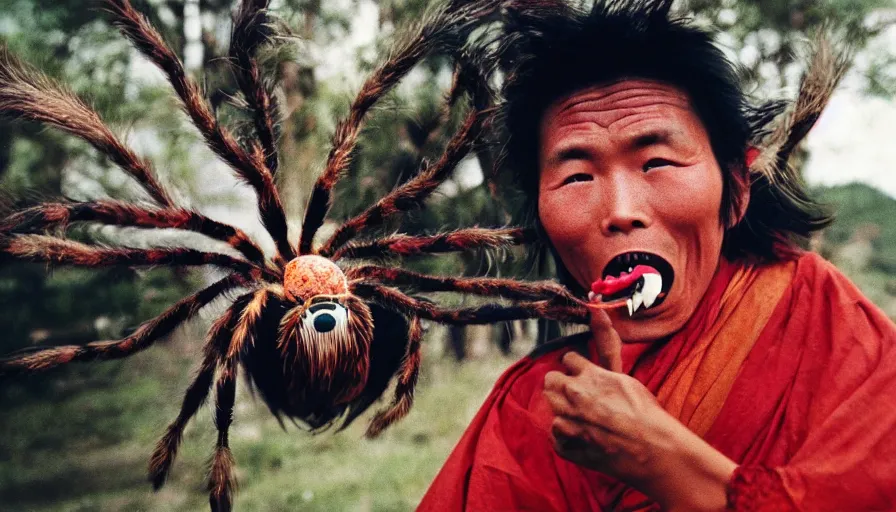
[741, 201]
[740, 189]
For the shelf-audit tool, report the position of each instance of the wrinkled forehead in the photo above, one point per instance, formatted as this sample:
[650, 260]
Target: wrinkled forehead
[618, 106]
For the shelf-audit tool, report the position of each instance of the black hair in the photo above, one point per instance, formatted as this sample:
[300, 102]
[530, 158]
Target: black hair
[552, 49]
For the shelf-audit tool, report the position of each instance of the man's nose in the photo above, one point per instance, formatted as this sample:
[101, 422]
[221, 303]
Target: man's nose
[627, 206]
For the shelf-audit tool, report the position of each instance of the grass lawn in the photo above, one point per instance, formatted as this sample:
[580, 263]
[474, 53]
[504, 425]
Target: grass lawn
[79, 439]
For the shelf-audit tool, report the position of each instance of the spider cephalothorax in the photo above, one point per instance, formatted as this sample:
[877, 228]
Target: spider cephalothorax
[319, 339]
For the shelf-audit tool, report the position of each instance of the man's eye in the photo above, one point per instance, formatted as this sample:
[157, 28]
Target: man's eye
[654, 163]
[578, 177]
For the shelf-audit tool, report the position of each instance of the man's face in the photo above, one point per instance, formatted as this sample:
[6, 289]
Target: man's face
[628, 168]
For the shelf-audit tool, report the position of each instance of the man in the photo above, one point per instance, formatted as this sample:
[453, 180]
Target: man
[758, 378]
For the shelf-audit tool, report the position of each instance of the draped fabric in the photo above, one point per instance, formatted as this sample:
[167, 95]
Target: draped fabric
[786, 369]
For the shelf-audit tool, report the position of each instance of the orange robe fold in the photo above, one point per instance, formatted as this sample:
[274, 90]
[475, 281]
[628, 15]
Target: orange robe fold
[786, 369]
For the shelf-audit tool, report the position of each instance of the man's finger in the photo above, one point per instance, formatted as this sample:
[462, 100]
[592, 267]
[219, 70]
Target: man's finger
[560, 404]
[569, 443]
[609, 346]
[566, 430]
[555, 380]
[575, 363]
[569, 448]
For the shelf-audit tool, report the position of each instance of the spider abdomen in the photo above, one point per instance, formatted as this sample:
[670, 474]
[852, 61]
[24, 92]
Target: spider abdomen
[315, 360]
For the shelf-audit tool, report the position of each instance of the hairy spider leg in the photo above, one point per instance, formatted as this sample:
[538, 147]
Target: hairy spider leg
[404, 386]
[487, 286]
[451, 241]
[232, 329]
[485, 314]
[147, 334]
[47, 216]
[26, 92]
[221, 481]
[824, 73]
[216, 343]
[244, 331]
[414, 192]
[47, 249]
[251, 30]
[446, 25]
[248, 165]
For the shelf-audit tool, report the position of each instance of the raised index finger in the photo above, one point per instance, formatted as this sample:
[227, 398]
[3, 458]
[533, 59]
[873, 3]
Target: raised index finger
[609, 346]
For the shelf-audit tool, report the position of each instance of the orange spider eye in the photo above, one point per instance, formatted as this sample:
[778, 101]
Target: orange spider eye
[309, 275]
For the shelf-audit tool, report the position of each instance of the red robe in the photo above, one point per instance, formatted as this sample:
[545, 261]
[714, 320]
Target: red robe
[808, 409]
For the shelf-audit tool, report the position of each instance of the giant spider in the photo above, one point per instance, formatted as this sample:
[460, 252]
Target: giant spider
[318, 338]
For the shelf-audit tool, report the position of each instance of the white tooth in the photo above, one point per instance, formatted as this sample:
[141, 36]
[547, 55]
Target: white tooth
[629, 304]
[653, 285]
[591, 296]
[630, 270]
[637, 300]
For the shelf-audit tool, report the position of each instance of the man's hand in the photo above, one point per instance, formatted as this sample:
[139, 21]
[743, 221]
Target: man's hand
[607, 421]
[610, 422]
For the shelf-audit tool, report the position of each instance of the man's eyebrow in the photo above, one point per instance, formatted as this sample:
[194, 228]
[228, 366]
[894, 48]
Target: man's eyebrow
[651, 138]
[570, 153]
[639, 140]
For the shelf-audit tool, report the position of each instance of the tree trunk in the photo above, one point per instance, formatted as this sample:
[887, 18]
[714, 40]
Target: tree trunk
[457, 341]
[547, 331]
[505, 337]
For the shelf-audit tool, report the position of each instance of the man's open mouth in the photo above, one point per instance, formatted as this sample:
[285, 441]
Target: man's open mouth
[638, 280]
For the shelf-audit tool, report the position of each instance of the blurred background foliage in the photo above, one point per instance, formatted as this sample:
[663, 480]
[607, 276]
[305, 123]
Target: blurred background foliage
[78, 438]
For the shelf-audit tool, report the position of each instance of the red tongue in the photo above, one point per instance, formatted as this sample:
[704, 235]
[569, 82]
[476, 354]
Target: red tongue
[610, 285]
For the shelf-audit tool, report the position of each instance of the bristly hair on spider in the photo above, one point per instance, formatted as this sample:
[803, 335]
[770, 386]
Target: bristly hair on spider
[319, 339]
